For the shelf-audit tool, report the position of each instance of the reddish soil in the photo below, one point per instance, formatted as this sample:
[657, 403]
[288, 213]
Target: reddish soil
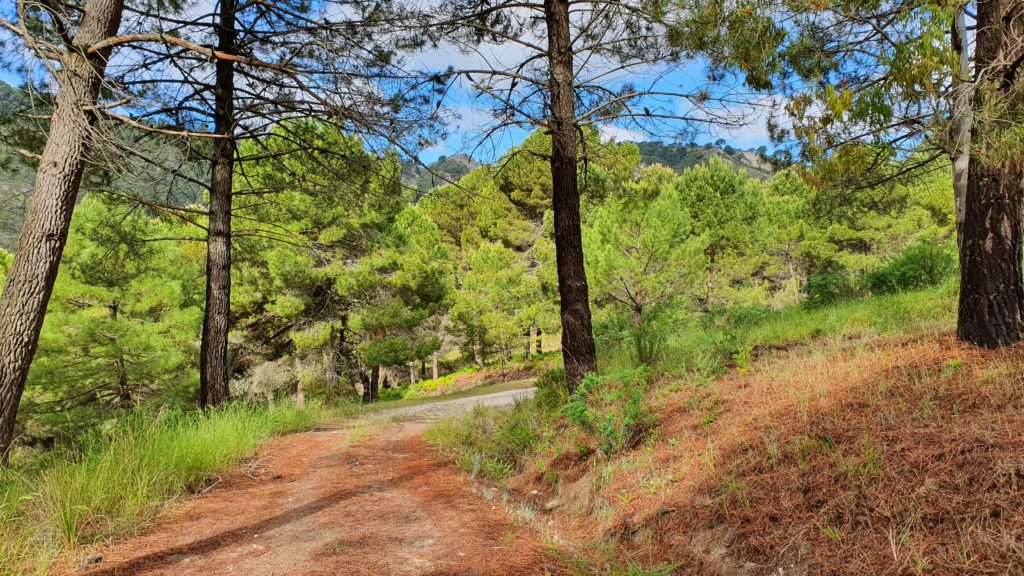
[386, 506]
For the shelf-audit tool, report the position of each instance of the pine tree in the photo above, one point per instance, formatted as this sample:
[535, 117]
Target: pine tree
[82, 65]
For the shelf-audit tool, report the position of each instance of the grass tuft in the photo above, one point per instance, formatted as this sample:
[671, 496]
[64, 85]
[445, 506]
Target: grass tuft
[115, 480]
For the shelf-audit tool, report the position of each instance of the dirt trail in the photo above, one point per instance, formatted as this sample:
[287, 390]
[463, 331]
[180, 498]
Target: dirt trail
[385, 505]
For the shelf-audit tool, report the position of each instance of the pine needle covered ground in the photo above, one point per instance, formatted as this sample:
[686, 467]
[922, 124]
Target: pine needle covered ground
[854, 449]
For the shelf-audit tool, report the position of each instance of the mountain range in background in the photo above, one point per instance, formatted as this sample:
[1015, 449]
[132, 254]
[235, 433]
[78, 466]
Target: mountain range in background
[679, 157]
[675, 156]
[446, 169]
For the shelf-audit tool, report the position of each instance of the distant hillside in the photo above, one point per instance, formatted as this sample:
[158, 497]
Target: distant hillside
[451, 168]
[679, 157]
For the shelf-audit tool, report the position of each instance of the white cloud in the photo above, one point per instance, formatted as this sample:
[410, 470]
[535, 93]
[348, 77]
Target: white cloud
[620, 134]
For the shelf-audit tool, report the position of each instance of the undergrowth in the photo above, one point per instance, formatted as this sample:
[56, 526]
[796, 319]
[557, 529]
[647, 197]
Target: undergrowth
[708, 347]
[490, 442]
[609, 430]
[612, 411]
[609, 561]
[113, 481]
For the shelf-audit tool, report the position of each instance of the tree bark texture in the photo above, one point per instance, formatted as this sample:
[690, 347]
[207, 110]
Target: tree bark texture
[44, 233]
[478, 350]
[300, 392]
[991, 312]
[962, 118]
[213, 355]
[578, 350]
[371, 385]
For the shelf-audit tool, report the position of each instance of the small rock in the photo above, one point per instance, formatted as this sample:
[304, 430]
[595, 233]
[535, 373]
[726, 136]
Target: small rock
[552, 504]
[90, 560]
[534, 492]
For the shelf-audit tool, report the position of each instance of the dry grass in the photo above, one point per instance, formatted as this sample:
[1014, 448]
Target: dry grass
[876, 455]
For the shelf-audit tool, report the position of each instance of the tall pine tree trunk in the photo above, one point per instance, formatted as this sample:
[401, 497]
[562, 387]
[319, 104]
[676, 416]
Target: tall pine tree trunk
[213, 361]
[991, 310]
[962, 118]
[29, 283]
[300, 391]
[578, 350]
[371, 385]
[478, 350]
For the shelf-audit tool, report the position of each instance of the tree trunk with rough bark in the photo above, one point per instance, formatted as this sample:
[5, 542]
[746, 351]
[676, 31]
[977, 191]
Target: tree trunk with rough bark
[371, 385]
[29, 283]
[433, 365]
[213, 355]
[478, 351]
[991, 312]
[962, 118]
[124, 394]
[300, 392]
[578, 350]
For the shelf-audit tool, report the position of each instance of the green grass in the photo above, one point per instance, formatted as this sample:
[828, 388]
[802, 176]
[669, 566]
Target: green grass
[607, 560]
[493, 443]
[709, 348]
[112, 483]
[490, 442]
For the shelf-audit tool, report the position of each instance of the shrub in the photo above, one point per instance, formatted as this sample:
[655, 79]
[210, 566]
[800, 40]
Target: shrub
[613, 408]
[648, 343]
[551, 393]
[489, 441]
[443, 385]
[828, 289]
[394, 393]
[920, 266]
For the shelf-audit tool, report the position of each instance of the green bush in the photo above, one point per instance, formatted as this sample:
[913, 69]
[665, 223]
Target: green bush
[612, 407]
[442, 385]
[648, 342]
[551, 393]
[829, 289]
[617, 334]
[394, 393]
[920, 266]
[491, 442]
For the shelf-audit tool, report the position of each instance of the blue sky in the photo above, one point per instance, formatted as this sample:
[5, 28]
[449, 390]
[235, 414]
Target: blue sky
[9, 78]
[462, 138]
[465, 132]
[474, 115]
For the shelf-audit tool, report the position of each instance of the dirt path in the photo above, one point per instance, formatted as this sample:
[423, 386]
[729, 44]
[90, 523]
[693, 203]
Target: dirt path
[385, 505]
